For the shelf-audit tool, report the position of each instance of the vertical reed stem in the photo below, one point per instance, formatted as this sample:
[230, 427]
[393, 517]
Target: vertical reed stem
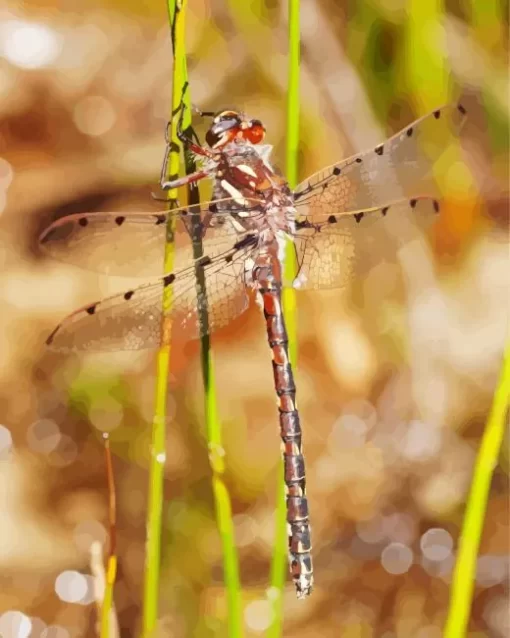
[464, 575]
[181, 100]
[176, 9]
[107, 611]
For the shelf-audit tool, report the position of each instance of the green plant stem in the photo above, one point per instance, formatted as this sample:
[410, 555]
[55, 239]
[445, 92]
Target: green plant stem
[111, 569]
[157, 458]
[279, 559]
[464, 575]
[222, 503]
[221, 496]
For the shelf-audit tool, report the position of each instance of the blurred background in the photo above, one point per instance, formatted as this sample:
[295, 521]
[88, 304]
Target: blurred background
[396, 374]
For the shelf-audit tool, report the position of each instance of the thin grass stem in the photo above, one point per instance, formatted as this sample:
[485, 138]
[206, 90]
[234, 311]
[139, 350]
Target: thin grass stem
[107, 610]
[181, 100]
[177, 14]
[221, 496]
[464, 574]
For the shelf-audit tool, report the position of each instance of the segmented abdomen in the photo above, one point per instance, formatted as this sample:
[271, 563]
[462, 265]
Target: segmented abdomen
[300, 557]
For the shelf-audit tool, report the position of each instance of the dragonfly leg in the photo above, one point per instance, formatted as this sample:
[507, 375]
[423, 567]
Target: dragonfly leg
[186, 137]
[182, 181]
[189, 138]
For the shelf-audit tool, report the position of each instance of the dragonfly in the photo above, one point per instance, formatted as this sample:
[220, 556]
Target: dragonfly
[342, 221]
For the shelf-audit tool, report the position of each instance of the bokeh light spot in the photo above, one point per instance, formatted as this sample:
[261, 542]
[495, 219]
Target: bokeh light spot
[372, 531]
[496, 616]
[436, 544]
[94, 115]
[55, 631]
[5, 443]
[106, 414]
[492, 570]
[422, 441]
[397, 558]
[38, 627]
[257, 615]
[43, 436]
[3, 200]
[400, 527]
[348, 430]
[6, 174]
[71, 587]
[88, 532]
[65, 453]
[15, 624]
[29, 45]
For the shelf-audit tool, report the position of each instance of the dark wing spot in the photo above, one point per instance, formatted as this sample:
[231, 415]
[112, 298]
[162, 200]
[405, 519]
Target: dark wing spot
[83, 221]
[379, 149]
[332, 219]
[92, 309]
[412, 203]
[249, 240]
[461, 109]
[120, 220]
[304, 223]
[384, 210]
[358, 217]
[305, 191]
[229, 258]
[49, 340]
[437, 114]
[359, 160]
[160, 219]
[204, 261]
[409, 131]
[128, 294]
[168, 279]
[436, 206]
[337, 171]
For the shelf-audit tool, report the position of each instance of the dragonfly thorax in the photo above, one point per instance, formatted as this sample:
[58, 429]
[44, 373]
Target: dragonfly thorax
[244, 181]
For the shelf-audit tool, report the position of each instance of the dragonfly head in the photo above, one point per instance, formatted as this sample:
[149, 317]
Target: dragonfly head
[228, 126]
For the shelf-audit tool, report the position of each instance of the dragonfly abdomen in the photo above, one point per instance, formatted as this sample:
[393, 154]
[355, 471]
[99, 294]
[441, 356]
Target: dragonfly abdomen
[300, 559]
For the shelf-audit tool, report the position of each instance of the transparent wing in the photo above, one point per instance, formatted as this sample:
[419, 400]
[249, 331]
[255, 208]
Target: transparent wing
[133, 320]
[133, 243]
[389, 172]
[344, 247]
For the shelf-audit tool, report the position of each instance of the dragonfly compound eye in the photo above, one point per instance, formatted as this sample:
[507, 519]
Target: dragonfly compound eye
[224, 129]
[255, 132]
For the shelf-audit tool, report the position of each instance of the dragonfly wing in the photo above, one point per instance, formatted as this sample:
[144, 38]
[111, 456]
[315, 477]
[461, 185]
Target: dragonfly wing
[345, 247]
[389, 172]
[133, 243]
[134, 319]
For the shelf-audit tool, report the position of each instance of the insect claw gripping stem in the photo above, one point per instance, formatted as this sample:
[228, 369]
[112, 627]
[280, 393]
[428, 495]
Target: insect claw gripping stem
[171, 146]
